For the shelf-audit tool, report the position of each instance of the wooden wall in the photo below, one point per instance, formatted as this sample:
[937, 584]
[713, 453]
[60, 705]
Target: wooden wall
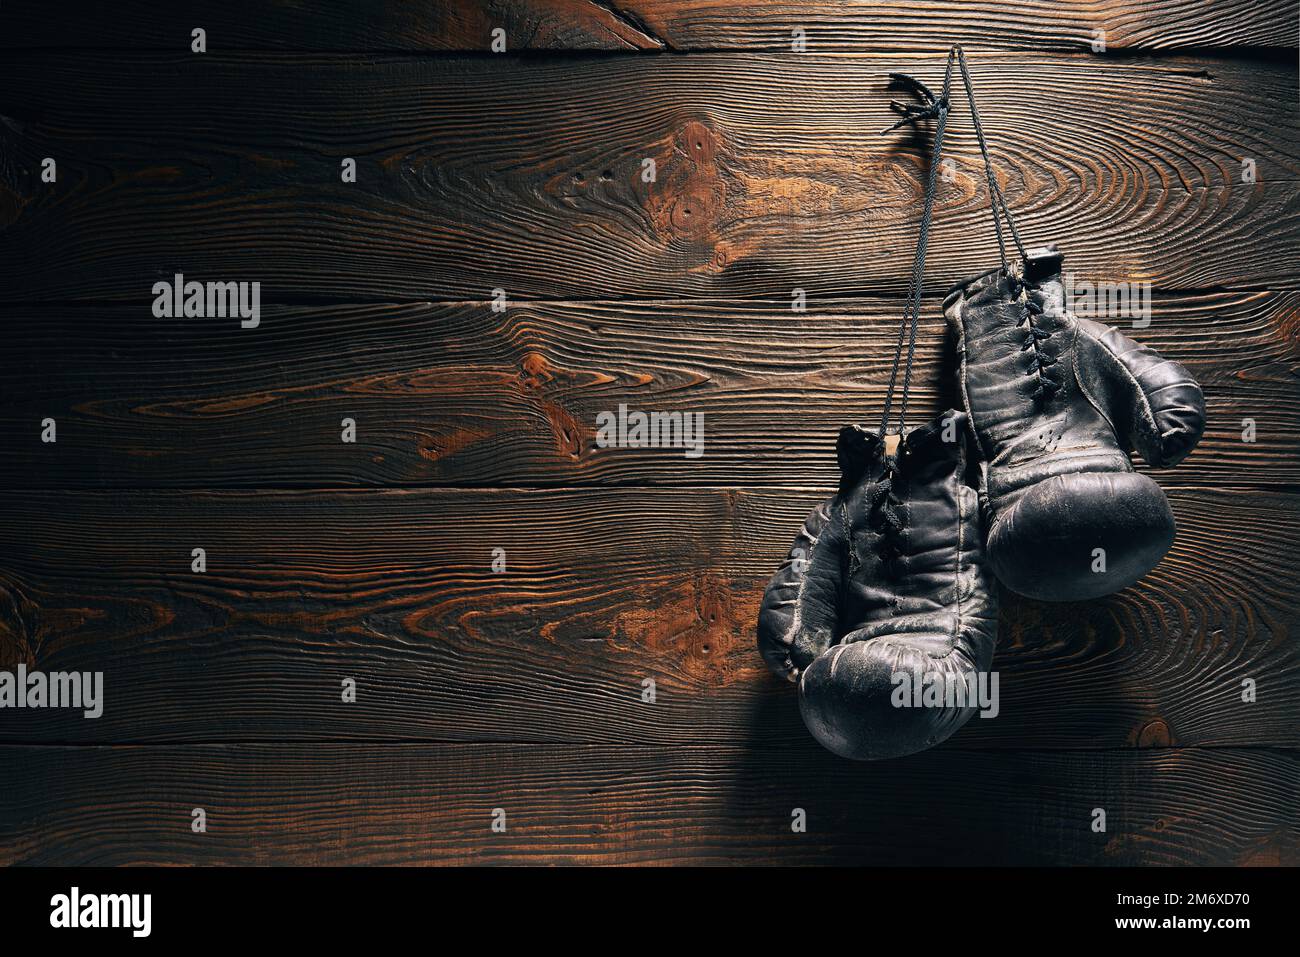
[521, 171]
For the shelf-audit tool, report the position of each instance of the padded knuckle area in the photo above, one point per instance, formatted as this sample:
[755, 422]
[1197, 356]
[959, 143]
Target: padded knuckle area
[1081, 536]
[857, 698]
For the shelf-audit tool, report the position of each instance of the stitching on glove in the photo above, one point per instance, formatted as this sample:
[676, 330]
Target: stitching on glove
[1144, 401]
[961, 543]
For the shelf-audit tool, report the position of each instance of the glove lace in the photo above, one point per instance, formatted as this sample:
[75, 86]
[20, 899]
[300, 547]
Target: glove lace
[1035, 335]
[1047, 385]
[885, 517]
[936, 107]
[885, 509]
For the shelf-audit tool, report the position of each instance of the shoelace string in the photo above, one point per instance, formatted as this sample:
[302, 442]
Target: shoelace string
[1046, 385]
[885, 509]
[937, 108]
[885, 516]
[1035, 336]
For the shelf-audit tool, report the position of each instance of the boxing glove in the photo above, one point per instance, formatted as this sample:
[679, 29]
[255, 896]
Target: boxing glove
[1057, 403]
[884, 594]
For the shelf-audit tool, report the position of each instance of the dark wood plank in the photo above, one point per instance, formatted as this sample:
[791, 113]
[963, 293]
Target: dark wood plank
[413, 804]
[459, 395]
[603, 588]
[394, 25]
[522, 173]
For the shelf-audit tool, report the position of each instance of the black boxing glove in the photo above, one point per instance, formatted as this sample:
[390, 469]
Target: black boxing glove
[1057, 403]
[885, 593]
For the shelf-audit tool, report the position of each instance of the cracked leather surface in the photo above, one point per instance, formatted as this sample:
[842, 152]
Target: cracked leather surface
[1057, 403]
[887, 578]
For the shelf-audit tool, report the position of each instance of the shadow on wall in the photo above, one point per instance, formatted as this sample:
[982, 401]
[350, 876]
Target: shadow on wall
[943, 806]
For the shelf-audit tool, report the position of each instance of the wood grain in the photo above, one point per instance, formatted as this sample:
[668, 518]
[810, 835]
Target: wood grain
[393, 25]
[523, 689]
[421, 804]
[602, 589]
[459, 395]
[476, 173]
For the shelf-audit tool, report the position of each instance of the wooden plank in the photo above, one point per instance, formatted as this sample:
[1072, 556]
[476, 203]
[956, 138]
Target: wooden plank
[422, 804]
[459, 395]
[524, 174]
[602, 589]
[393, 25]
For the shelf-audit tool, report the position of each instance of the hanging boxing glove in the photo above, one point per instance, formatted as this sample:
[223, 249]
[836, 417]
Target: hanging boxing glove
[883, 611]
[1057, 403]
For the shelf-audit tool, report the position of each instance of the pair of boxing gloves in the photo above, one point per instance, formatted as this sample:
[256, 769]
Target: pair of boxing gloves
[886, 603]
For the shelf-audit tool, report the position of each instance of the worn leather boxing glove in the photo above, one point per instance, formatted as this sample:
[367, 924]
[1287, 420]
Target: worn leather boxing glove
[884, 593]
[1057, 403]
